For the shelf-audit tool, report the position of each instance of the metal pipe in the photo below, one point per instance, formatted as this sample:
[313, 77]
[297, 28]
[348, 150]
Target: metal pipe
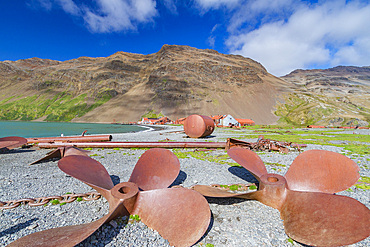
[96, 138]
[137, 145]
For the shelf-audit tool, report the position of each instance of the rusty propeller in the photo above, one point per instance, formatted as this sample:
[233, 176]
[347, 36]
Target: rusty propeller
[10, 142]
[61, 152]
[179, 215]
[312, 214]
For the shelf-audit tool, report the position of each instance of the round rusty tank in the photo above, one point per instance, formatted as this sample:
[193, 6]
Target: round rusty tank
[197, 126]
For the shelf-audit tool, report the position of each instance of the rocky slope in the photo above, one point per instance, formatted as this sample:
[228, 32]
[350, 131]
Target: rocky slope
[337, 96]
[177, 81]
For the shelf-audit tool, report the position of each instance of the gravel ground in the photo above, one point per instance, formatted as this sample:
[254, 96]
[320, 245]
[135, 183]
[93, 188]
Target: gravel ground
[234, 222]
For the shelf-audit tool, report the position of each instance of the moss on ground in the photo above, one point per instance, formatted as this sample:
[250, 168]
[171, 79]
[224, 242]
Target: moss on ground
[310, 109]
[353, 143]
[61, 107]
[205, 156]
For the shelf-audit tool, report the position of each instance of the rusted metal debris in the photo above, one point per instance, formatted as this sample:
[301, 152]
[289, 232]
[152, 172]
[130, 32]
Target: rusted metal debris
[197, 126]
[41, 201]
[180, 215]
[260, 145]
[312, 214]
[10, 142]
[265, 145]
[61, 152]
[83, 138]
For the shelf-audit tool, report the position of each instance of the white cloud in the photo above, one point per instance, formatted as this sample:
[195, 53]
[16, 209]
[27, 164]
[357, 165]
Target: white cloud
[119, 15]
[327, 34]
[215, 4]
[70, 7]
[171, 6]
[45, 4]
[254, 12]
[102, 16]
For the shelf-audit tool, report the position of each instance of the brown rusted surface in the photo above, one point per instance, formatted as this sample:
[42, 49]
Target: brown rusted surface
[322, 171]
[310, 217]
[10, 142]
[249, 160]
[187, 211]
[61, 152]
[96, 138]
[197, 126]
[180, 215]
[147, 171]
[67, 236]
[40, 201]
[322, 219]
[259, 145]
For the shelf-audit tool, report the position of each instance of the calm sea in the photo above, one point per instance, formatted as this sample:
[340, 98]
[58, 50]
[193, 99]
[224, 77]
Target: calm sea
[45, 129]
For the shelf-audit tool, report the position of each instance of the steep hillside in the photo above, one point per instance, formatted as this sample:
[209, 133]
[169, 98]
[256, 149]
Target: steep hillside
[176, 81]
[338, 96]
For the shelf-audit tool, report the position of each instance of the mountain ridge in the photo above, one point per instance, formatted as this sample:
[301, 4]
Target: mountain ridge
[176, 81]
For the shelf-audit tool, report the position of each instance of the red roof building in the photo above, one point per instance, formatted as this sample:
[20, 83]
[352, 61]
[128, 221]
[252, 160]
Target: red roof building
[245, 122]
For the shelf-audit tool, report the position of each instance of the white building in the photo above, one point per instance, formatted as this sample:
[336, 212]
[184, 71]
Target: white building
[229, 120]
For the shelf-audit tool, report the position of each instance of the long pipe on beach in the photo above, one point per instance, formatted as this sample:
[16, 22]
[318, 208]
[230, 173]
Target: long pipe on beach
[262, 144]
[136, 145]
[66, 139]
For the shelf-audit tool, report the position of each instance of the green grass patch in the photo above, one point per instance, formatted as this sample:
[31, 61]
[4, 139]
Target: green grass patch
[135, 217]
[152, 114]
[234, 187]
[274, 164]
[354, 143]
[60, 107]
[54, 202]
[205, 156]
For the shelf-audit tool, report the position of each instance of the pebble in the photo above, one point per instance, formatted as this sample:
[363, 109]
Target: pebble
[33, 226]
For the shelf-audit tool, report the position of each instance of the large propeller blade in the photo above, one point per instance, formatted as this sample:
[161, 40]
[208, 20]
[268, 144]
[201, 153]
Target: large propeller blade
[315, 217]
[322, 219]
[10, 142]
[157, 168]
[67, 236]
[179, 215]
[211, 191]
[89, 171]
[249, 160]
[322, 171]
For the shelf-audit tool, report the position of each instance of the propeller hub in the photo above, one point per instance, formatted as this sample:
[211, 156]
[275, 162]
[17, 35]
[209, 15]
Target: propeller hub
[273, 186]
[125, 190]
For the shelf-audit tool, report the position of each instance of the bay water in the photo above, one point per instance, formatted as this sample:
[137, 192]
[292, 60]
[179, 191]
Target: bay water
[52, 129]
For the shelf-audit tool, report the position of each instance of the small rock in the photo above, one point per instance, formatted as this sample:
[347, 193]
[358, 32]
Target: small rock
[113, 223]
[59, 213]
[33, 226]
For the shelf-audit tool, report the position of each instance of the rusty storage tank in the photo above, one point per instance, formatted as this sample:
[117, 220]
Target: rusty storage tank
[197, 126]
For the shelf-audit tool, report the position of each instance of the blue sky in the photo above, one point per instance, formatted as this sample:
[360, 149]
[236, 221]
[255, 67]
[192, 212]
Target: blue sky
[282, 35]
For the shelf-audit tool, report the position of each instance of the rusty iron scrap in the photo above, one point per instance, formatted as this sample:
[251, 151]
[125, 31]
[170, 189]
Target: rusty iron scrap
[83, 138]
[312, 213]
[40, 201]
[12, 142]
[180, 215]
[263, 144]
[260, 145]
[198, 126]
[61, 152]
